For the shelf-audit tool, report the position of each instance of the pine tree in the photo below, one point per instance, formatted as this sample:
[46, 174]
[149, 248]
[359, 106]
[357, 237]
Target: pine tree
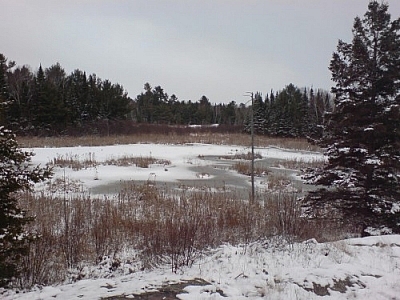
[42, 107]
[362, 136]
[21, 87]
[4, 90]
[3, 82]
[257, 114]
[15, 175]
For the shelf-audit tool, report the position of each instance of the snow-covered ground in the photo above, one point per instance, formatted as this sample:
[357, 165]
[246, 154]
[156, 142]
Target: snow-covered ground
[360, 268]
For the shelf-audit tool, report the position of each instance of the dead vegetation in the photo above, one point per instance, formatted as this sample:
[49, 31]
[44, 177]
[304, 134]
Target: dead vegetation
[78, 162]
[139, 161]
[298, 163]
[245, 169]
[173, 227]
[74, 161]
[167, 138]
[243, 156]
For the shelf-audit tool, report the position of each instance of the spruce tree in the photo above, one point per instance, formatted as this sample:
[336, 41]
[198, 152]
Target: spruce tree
[362, 135]
[4, 91]
[15, 175]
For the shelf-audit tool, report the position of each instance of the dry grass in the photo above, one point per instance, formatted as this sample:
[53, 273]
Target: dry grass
[299, 163]
[244, 156]
[139, 161]
[74, 161]
[164, 227]
[207, 138]
[245, 168]
[277, 182]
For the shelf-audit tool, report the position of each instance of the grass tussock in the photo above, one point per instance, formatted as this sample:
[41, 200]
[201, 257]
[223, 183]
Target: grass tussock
[139, 161]
[245, 169]
[163, 227]
[243, 156]
[276, 181]
[74, 161]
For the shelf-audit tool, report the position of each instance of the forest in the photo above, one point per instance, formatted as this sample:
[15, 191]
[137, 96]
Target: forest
[49, 102]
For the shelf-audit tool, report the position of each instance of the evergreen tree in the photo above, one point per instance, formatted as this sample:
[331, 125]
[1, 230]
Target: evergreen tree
[3, 79]
[288, 112]
[259, 116]
[15, 175]
[228, 114]
[56, 89]
[77, 106]
[4, 89]
[21, 87]
[43, 107]
[318, 104]
[204, 111]
[362, 136]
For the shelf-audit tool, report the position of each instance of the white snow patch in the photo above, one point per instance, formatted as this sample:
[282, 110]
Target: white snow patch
[395, 208]
[371, 161]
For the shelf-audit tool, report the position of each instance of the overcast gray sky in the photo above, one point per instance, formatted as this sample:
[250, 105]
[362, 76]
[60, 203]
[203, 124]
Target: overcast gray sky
[217, 48]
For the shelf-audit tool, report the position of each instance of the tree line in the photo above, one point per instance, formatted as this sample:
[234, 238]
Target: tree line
[291, 112]
[49, 101]
[155, 106]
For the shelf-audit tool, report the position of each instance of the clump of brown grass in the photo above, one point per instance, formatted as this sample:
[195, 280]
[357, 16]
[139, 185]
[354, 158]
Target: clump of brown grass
[278, 181]
[74, 161]
[245, 169]
[139, 161]
[244, 156]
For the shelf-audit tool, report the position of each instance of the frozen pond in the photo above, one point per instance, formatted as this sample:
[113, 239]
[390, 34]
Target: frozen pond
[197, 166]
[217, 175]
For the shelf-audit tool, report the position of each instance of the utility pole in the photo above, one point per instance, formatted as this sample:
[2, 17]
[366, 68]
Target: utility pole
[252, 146]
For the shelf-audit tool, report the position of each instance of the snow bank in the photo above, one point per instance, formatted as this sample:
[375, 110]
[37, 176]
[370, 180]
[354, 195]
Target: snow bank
[362, 268]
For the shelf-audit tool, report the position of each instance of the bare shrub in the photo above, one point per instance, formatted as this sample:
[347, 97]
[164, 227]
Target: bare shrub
[38, 266]
[44, 263]
[285, 214]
